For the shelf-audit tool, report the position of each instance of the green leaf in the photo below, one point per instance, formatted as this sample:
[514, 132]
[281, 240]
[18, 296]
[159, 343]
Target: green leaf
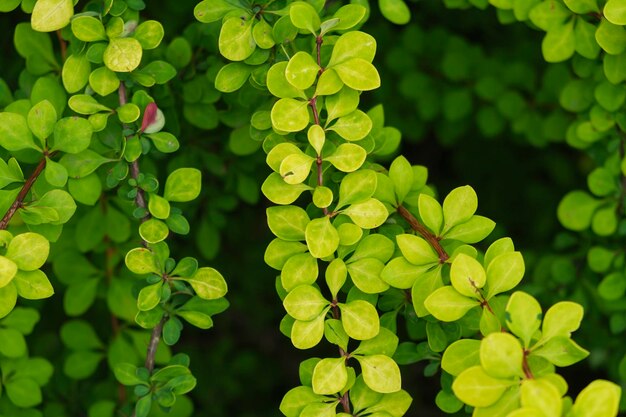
[302, 70]
[328, 83]
[122, 54]
[103, 81]
[348, 157]
[356, 187]
[88, 29]
[321, 237]
[559, 43]
[149, 296]
[79, 335]
[598, 399]
[582, 6]
[366, 275]
[84, 104]
[143, 406]
[459, 206]
[208, 283]
[208, 11]
[431, 213]
[576, 210]
[61, 202]
[353, 44]
[141, 261]
[467, 276]
[501, 355]
[149, 34]
[72, 135]
[380, 373]
[416, 250]
[330, 376]
[41, 120]
[360, 319]
[385, 343]
[304, 16]
[541, 395]
[562, 319]
[611, 38]
[446, 304]
[460, 356]
[396, 11]
[472, 231]
[335, 333]
[399, 273]
[477, 389]
[51, 15]
[504, 272]
[523, 316]
[13, 344]
[23, 392]
[126, 374]
[287, 222]
[262, 34]
[295, 168]
[36, 47]
[368, 214]
[8, 297]
[14, 133]
[585, 39]
[84, 163]
[33, 285]
[29, 251]
[296, 399]
[289, 115]
[153, 231]
[183, 185]
[561, 351]
[80, 296]
[343, 103]
[358, 74]
[336, 274]
[278, 85]
[232, 77]
[236, 42]
[22, 319]
[299, 269]
[279, 192]
[307, 334]
[304, 303]
[615, 12]
[75, 73]
[8, 269]
[349, 16]
[353, 127]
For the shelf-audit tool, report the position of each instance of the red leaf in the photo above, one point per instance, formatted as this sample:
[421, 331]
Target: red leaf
[149, 116]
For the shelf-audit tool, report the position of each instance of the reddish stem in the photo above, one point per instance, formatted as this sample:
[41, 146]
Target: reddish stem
[426, 234]
[19, 200]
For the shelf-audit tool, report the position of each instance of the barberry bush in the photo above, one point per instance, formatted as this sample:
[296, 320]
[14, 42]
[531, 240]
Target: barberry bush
[158, 157]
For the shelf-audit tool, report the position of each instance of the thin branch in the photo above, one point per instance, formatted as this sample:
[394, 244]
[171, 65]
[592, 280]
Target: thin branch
[19, 200]
[63, 46]
[154, 344]
[426, 234]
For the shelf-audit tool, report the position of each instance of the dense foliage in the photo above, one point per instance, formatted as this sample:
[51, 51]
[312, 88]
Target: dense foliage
[139, 144]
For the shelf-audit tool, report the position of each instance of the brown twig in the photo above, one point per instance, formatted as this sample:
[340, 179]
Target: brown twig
[19, 200]
[426, 234]
[63, 46]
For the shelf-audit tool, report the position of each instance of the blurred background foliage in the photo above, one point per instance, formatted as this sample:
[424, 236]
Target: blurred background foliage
[475, 103]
